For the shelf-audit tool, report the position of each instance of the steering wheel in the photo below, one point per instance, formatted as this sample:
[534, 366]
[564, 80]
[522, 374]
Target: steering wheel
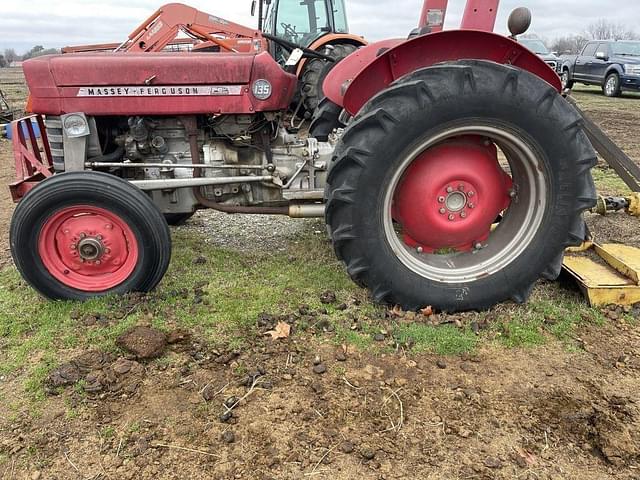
[290, 47]
[289, 31]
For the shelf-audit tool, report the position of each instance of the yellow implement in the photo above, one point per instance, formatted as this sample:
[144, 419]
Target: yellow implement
[607, 274]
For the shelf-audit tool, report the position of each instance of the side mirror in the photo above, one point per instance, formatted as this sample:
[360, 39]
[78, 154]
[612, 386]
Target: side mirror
[602, 56]
[519, 21]
[253, 8]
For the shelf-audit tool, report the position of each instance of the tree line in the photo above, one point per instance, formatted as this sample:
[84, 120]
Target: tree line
[599, 30]
[9, 55]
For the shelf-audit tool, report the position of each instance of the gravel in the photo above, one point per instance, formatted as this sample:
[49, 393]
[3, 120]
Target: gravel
[261, 233]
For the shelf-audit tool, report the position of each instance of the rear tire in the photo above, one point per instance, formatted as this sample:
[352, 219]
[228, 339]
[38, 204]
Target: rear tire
[611, 87]
[79, 235]
[424, 106]
[316, 70]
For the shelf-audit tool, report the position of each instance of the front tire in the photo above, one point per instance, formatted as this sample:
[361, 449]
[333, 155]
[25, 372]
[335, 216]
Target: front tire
[316, 70]
[611, 87]
[566, 80]
[85, 234]
[407, 240]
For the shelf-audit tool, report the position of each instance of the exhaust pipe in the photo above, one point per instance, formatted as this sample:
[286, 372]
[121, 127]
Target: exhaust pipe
[306, 210]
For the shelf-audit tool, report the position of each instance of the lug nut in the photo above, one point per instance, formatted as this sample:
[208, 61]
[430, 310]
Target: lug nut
[443, 211]
[463, 214]
[441, 199]
[461, 187]
[449, 189]
[471, 205]
[452, 217]
[83, 235]
[471, 193]
[99, 237]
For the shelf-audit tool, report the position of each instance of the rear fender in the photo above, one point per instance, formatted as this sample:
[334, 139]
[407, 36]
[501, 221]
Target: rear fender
[331, 39]
[427, 50]
[338, 78]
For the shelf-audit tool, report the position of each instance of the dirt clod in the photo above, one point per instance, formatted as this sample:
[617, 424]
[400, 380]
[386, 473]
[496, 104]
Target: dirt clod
[319, 369]
[368, 453]
[347, 447]
[492, 462]
[143, 342]
[228, 437]
[441, 364]
[328, 297]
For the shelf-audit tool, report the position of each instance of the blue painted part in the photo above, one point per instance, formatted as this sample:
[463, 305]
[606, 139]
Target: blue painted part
[36, 130]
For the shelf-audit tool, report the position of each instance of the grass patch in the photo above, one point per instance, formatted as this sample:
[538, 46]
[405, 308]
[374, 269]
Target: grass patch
[443, 340]
[237, 288]
[608, 182]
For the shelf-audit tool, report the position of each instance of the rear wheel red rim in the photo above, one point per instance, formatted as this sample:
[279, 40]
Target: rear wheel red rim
[420, 218]
[88, 248]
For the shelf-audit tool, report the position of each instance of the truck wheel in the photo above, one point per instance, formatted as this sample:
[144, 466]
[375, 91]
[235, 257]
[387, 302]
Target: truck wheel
[85, 234]
[177, 219]
[316, 70]
[566, 80]
[426, 168]
[611, 87]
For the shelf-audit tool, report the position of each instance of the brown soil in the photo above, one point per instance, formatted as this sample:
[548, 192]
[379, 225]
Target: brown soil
[541, 413]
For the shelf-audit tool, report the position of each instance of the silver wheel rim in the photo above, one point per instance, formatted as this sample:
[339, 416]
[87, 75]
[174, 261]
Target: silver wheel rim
[611, 85]
[565, 79]
[512, 236]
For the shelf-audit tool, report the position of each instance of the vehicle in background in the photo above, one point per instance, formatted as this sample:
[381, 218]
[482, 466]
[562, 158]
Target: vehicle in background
[614, 65]
[538, 47]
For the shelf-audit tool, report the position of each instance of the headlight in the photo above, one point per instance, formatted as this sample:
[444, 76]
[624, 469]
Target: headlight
[261, 89]
[75, 125]
[632, 69]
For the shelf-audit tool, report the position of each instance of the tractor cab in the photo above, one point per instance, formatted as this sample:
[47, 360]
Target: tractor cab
[302, 22]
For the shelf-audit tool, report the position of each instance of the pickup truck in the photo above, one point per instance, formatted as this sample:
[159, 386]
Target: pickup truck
[539, 48]
[615, 66]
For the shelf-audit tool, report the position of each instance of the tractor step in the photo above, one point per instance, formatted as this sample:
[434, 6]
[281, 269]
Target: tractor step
[607, 274]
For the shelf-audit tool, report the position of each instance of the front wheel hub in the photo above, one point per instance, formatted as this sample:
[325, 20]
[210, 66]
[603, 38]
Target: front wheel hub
[88, 248]
[450, 196]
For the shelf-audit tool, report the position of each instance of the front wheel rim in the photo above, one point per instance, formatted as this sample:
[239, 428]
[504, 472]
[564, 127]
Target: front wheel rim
[507, 241]
[88, 248]
[611, 85]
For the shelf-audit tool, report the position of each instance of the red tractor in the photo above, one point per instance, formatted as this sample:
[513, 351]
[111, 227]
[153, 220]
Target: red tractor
[459, 180]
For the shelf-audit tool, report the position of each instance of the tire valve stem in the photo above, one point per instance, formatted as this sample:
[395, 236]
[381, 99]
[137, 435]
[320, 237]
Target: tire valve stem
[419, 249]
[512, 193]
[478, 246]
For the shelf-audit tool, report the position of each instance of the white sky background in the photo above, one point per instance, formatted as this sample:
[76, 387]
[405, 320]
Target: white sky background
[67, 22]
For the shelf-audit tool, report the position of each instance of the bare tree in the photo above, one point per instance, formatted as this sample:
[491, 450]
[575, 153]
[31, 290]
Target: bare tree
[10, 55]
[3, 61]
[571, 44]
[606, 30]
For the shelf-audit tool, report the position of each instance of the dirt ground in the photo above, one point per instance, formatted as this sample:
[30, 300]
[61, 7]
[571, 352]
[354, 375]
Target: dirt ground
[306, 408]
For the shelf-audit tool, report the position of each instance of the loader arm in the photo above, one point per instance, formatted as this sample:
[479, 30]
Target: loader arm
[163, 26]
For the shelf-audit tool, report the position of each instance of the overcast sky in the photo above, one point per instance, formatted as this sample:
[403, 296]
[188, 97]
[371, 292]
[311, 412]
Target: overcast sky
[69, 22]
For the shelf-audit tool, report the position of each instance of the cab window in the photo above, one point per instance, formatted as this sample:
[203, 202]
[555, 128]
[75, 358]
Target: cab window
[340, 17]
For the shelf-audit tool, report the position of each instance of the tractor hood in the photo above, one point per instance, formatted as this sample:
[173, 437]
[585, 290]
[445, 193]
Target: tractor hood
[156, 83]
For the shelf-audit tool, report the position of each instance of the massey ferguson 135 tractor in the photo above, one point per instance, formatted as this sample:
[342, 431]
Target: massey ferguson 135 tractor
[459, 180]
